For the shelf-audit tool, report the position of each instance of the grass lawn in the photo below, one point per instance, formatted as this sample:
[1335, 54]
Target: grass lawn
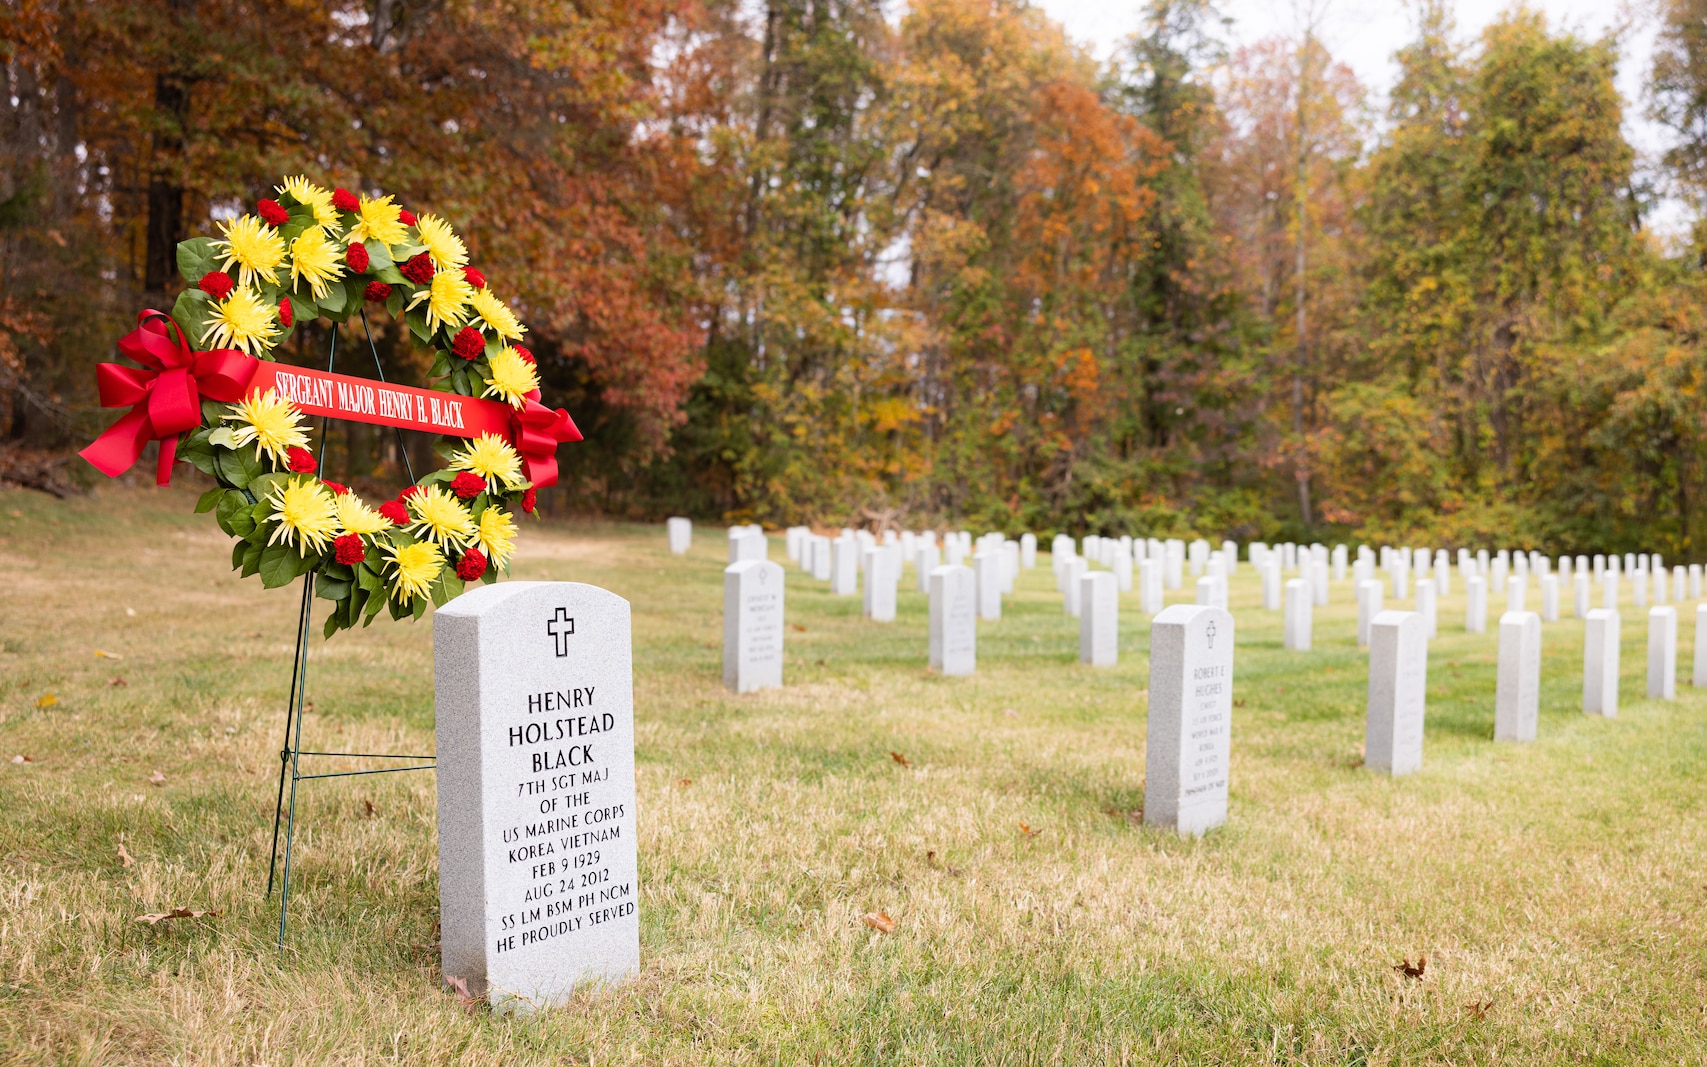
[1556, 888]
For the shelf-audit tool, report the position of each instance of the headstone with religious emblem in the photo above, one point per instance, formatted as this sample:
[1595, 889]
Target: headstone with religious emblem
[1189, 742]
[538, 868]
[752, 625]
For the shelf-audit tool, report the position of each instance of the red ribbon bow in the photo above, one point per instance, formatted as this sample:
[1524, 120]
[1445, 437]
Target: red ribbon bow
[537, 431]
[164, 394]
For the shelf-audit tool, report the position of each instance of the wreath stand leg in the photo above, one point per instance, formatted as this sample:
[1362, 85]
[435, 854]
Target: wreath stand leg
[290, 755]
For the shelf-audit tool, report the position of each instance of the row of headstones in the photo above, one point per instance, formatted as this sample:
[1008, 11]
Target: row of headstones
[534, 704]
[753, 590]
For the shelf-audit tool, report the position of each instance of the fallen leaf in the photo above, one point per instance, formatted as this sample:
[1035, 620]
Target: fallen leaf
[1028, 831]
[880, 921]
[1279, 689]
[131, 612]
[368, 809]
[684, 782]
[22, 759]
[118, 683]
[46, 700]
[1010, 711]
[898, 758]
[1135, 815]
[1479, 1010]
[154, 918]
[124, 856]
[465, 1000]
[104, 654]
[799, 628]
[1238, 703]
[1409, 971]
[157, 779]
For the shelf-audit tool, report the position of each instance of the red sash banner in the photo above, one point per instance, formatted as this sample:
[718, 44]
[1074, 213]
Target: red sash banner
[165, 397]
[340, 396]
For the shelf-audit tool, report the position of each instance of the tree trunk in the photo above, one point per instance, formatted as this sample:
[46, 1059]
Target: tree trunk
[165, 192]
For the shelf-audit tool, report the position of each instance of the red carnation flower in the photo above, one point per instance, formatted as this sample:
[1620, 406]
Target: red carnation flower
[217, 284]
[472, 565]
[468, 485]
[285, 312]
[529, 499]
[356, 257]
[419, 269]
[338, 488]
[344, 200]
[468, 343]
[522, 352]
[409, 492]
[395, 512]
[407, 217]
[474, 277]
[377, 292]
[272, 213]
[301, 460]
[349, 549]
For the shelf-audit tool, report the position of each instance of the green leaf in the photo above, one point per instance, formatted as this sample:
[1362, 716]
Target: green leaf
[394, 302]
[195, 450]
[332, 589]
[192, 311]
[417, 320]
[376, 601]
[302, 310]
[262, 485]
[368, 578]
[278, 565]
[214, 412]
[196, 257]
[235, 514]
[251, 558]
[333, 625]
[222, 436]
[378, 257]
[296, 227]
[238, 551]
[236, 467]
[334, 300]
[404, 253]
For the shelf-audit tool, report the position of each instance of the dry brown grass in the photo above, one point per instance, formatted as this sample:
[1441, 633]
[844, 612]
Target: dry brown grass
[1562, 881]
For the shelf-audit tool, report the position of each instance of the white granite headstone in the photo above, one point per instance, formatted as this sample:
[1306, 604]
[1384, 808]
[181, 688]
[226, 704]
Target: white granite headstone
[1476, 604]
[987, 570]
[1398, 693]
[844, 566]
[1699, 677]
[1297, 622]
[1600, 662]
[1662, 653]
[954, 620]
[1428, 607]
[1099, 619]
[1369, 597]
[681, 534]
[752, 625]
[538, 867]
[1189, 736]
[1028, 550]
[1517, 686]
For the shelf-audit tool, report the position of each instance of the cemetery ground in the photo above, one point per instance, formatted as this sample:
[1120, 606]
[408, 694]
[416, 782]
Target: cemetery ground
[989, 825]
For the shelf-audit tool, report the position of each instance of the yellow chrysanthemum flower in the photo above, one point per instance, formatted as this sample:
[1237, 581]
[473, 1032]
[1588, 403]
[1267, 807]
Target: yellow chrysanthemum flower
[496, 536]
[446, 298]
[513, 377]
[270, 421]
[315, 257]
[243, 321]
[355, 517]
[494, 315]
[416, 566]
[491, 457]
[440, 517]
[314, 198]
[378, 220]
[442, 243]
[306, 515]
[255, 248]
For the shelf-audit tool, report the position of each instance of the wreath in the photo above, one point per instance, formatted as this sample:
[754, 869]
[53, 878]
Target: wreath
[304, 254]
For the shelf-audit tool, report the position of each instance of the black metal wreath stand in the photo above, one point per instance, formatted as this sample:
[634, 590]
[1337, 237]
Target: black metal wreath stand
[292, 753]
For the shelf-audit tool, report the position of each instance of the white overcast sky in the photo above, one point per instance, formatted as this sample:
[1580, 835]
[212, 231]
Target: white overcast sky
[1365, 33]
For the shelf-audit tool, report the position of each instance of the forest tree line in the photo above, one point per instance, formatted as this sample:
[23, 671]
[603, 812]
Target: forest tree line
[817, 261]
